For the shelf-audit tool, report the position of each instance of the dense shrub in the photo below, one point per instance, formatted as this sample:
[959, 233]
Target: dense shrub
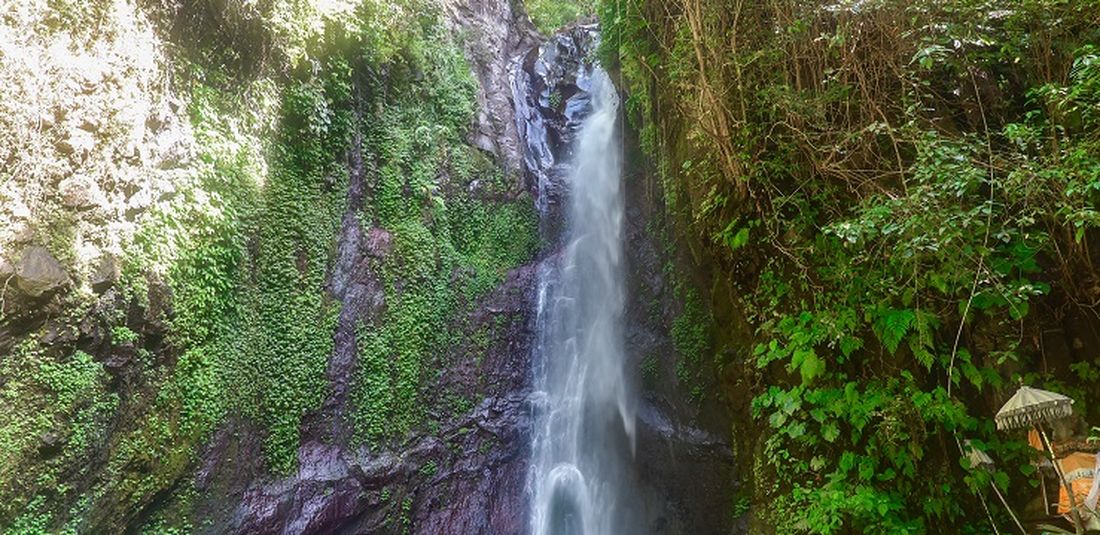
[894, 188]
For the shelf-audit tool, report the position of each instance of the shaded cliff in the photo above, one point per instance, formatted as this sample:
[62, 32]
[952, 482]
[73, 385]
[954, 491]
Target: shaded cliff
[316, 320]
[888, 205]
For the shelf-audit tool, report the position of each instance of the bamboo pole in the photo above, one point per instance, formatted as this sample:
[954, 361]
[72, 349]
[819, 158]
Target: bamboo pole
[1046, 500]
[981, 496]
[1077, 524]
[1007, 507]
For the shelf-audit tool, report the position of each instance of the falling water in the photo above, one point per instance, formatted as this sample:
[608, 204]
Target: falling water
[584, 425]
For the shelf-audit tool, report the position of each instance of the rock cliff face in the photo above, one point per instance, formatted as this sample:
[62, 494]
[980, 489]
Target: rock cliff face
[466, 471]
[466, 477]
[551, 101]
[684, 455]
[498, 31]
[468, 474]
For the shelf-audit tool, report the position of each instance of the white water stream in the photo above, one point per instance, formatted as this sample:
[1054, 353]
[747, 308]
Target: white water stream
[583, 439]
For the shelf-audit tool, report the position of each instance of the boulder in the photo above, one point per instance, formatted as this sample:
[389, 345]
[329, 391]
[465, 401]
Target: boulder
[24, 232]
[80, 191]
[105, 275]
[49, 444]
[38, 272]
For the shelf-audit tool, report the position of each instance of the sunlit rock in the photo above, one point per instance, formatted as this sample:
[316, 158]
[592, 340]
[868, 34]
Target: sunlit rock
[38, 272]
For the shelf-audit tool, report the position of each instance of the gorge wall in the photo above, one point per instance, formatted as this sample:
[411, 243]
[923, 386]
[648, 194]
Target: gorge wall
[257, 278]
[271, 269]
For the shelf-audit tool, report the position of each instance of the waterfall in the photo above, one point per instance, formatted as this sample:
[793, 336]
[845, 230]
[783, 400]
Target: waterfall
[583, 437]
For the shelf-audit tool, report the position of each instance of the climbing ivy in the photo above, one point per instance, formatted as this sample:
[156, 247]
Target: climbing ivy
[223, 314]
[550, 15]
[46, 434]
[457, 223]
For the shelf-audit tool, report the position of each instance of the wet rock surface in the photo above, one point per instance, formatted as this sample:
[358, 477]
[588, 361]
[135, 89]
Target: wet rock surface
[498, 31]
[466, 477]
[689, 475]
[551, 85]
[683, 459]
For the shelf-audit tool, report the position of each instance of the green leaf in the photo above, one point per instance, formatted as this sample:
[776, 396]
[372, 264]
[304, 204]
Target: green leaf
[849, 344]
[1017, 310]
[739, 240]
[866, 468]
[923, 356]
[777, 419]
[817, 463]
[809, 365]
[892, 325]
[847, 461]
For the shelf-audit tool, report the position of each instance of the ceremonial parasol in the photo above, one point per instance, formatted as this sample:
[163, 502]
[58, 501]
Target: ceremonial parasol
[1030, 407]
[976, 457]
[980, 460]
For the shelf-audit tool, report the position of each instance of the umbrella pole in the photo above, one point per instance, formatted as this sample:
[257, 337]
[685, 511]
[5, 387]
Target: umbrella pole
[1043, 485]
[1062, 477]
[1007, 507]
[989, 514]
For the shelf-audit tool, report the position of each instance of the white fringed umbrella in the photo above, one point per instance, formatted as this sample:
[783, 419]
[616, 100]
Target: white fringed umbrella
[980, 460]
[1029, 406]
[977, 458]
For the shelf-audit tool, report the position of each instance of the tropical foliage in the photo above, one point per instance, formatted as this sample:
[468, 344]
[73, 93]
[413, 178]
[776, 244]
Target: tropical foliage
[905, 200]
